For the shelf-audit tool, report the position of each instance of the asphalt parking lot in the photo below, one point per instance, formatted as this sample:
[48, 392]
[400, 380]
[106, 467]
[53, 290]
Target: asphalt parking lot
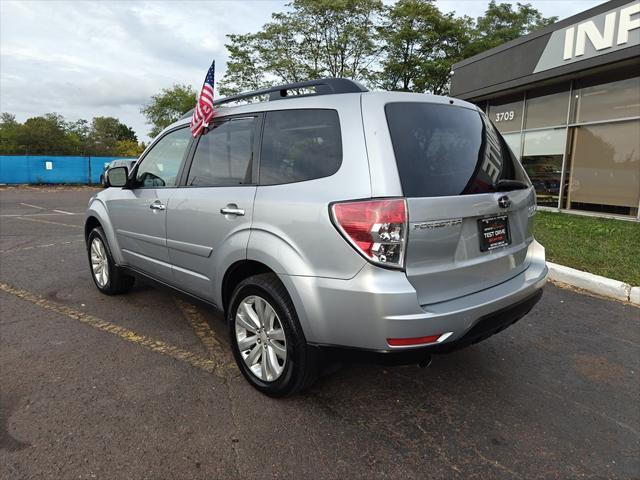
[143, 385]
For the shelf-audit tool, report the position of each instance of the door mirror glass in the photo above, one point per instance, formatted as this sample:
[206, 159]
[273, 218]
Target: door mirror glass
[117, 177]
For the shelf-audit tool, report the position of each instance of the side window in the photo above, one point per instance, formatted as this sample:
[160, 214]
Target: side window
[223, 155]
[159, 167]
[300, 145]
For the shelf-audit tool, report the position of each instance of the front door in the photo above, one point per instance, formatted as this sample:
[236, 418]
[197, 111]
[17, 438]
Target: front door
[138, 213]
[209, 218]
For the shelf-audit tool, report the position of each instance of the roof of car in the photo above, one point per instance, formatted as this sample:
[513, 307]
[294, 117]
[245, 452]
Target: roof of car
[299, 101]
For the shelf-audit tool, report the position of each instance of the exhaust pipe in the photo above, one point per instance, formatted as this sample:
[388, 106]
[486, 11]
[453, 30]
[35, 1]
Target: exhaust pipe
[425, 362]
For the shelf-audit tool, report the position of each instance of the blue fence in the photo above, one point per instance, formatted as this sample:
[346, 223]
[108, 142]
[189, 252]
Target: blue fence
[16, 169]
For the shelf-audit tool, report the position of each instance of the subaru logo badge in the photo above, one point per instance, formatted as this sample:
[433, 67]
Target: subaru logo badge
[504, 202]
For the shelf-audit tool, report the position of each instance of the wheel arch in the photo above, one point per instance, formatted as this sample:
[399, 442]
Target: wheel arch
[97, 216]
[236, 273]
[90, 223]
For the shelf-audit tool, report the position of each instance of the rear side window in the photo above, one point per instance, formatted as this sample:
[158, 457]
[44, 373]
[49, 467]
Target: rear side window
[300, 145]
[223, 155]
[444, 150]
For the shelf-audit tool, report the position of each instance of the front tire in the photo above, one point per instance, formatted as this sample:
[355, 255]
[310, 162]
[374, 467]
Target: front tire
[107, 276]
[266, 338]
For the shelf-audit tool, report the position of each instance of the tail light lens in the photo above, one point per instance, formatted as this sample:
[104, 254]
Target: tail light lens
[376, 228]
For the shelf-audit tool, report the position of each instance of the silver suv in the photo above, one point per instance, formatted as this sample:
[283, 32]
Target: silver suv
[328, 223]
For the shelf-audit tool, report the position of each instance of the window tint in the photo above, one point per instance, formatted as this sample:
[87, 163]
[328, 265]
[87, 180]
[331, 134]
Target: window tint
[608, 101]
[300, 145]
[223, 155]
[159, 167]
[547, 110]
[444, 150]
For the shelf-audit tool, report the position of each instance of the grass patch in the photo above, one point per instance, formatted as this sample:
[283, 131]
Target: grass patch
[602, 246]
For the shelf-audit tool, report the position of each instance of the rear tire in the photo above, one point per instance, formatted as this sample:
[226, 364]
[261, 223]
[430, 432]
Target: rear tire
[266, 338]
[107, 276]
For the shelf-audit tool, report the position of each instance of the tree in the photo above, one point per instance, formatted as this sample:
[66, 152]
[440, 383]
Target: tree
[128, 148]
[8, 133]
[317, 38]
[51, 134]
[420, 44]
[501, 23]
[45, 135]
[105, 133]
[410, 45]
[168, 106]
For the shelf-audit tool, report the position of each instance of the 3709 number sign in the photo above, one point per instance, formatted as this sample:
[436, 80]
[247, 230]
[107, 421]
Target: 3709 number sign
[505, 116]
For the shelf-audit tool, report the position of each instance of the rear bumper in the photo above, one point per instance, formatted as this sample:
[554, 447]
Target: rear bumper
[484, 328]
[377, 304]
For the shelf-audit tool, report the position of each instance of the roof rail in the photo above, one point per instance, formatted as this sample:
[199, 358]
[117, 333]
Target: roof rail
[324, 86]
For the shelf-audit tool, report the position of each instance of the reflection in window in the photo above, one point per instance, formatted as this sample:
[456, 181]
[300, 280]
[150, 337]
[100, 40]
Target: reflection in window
[611, 100]
[542, 159]
[300, 145]
[605, 172]
[514, 140]
[547, 110]
[159, 167]
[223, 155]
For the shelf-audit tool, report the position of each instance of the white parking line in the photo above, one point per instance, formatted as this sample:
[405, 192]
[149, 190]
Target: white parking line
[47, 221]
[37, 214]
[62, 211]
[33, 206]
[34, 247]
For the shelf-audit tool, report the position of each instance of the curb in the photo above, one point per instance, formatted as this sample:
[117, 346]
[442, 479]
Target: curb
[605, 287]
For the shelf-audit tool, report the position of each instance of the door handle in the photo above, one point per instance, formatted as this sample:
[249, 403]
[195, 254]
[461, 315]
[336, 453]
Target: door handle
[232, 211]
[157, 206]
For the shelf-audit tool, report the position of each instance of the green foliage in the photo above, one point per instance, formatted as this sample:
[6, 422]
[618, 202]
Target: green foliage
[128, 148]
[317, 38]
[8, 133]
[105, 133]
[501, 23]
[601, 246]
[409, 45]
[168, 106]
[50, 134]
[420, 45]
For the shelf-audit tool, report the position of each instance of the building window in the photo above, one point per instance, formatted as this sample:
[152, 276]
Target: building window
[546, 110]
[514, 140]
[605, 168]
[542, 159]
[507, 115]
[613, 100]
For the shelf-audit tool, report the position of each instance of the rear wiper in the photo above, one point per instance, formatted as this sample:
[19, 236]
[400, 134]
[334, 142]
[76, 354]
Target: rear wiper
[505, 185]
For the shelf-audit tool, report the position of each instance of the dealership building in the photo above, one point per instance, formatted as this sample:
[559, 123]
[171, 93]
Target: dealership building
[567, 100]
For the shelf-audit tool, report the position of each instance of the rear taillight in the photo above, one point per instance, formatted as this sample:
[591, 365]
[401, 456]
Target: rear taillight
[376, 228]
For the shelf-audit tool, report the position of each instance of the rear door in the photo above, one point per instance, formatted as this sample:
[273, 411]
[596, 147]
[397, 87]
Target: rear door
[209, 216]
[468, 199]
[138, 213]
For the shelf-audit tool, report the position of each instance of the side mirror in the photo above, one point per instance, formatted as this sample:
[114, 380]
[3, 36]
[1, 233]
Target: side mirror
[116, 177]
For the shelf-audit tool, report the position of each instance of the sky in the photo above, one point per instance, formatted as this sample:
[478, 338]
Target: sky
[107, 58]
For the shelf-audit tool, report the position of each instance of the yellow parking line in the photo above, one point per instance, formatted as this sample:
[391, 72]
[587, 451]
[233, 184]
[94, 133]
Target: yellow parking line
[47, 221]
[200, 326]
[158, 346]
[206, 335]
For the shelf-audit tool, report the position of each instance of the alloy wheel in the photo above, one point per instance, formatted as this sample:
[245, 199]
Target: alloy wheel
[260, 338]
[99, 262]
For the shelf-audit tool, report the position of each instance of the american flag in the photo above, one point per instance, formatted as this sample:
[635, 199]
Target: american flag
[203, 113]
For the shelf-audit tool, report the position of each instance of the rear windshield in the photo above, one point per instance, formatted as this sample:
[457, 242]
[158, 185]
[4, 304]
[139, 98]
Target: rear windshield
[444, 150]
